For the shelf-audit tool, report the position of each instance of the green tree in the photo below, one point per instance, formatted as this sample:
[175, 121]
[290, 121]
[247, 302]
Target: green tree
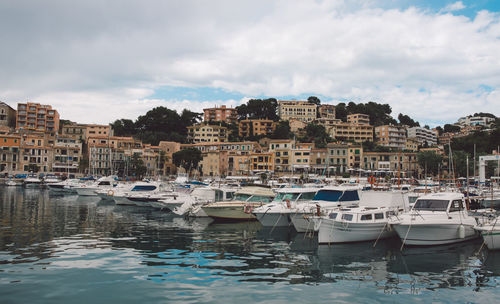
[314, 99]
[282, 130]
[187, 158]
[460, 163]
[341, 111]
[83, 164]
[259, 109]
[429, 160]
[124, 127]
[316, 133]
[451, 128]
[406, 120]
[137, 167]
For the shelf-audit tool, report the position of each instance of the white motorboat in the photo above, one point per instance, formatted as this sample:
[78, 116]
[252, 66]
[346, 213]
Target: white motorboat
[11, 183]
[490, 233]
[436, 219]
[369, 221]
[192, 204]
[32, 181]
[65, 187]
[240, 208]
[89, 189]
[51, 179]
[121, 195]
[280, 211]
[325, 199]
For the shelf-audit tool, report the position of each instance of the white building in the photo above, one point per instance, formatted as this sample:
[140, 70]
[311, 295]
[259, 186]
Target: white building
[475, 121]
[423, 135]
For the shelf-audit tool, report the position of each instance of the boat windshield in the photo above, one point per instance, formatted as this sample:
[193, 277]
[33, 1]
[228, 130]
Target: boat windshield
[144, 188]
[336, 195]
[241, 197]
[258, 198]
[286, 196]
[431, 205]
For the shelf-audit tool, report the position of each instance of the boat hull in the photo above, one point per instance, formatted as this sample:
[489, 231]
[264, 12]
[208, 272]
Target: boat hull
[433, 234]
[331, 231]
[229, 213]
[274, 219]
[303, 222]
[86, 191]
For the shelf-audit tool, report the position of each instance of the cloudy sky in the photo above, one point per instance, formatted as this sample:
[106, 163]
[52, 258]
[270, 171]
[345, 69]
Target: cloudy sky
[96, 61]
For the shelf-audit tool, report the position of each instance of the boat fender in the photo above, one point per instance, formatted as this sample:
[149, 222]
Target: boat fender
[318, 210]
[461, 231]
[288, 204]
[248, 209]
[111, 192]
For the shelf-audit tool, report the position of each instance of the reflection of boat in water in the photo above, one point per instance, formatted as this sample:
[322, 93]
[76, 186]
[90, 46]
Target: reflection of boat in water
[442, 260]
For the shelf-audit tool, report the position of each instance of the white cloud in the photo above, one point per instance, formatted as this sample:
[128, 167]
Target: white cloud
[97, 63]
[457, 6]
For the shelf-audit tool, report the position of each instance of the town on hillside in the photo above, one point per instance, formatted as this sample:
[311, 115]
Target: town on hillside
[279, 137]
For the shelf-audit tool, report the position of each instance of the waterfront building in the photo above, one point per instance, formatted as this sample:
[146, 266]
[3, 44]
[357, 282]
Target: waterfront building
[355, 156]
[391, 136]
[9, 152]
[301, 110]
[256, 127]
[261, 162]
[337, 158]
[168, 148]
[214, 163]
[391, 162]
[228, 115]
[359, 119]
[282, 150]
[202, 132]
[7, 115]
[67, 154]
[301, 155]
[297, 127]
[36, 151]
[423, 135]
[326, 111]
[242, 148]
[319, 160]
[238, 164]
[37, 117]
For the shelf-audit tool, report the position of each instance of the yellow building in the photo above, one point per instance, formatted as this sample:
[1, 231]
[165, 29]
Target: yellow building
[301, 110]
[262, 162]
[93, 130]
[256, 127]
[282, 150]
[350, 131]
[9, 152]
[358, 118]
[392, 162]
[201, 133]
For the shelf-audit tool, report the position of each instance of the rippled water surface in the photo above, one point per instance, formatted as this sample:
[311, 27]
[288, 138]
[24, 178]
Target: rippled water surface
[69, 249]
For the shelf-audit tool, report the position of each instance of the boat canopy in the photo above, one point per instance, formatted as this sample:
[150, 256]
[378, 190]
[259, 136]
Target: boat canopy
[331, 195]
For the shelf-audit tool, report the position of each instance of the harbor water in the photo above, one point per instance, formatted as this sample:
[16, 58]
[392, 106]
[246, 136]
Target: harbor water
[70, 249]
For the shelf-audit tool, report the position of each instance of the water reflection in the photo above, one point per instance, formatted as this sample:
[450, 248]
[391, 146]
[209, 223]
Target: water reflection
[110, 243]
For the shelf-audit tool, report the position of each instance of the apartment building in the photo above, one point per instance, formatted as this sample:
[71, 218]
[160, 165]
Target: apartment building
[338, 158]
[67, 154]
[355, 156]
[423, 135]
[326, 111]
[301, 110]
[319, 160]
[261, 162]
[93, 130]
[36, 151]
[392, 162]
[223, 113]
[301, 156]
[201, 133]
[35, 116]
[76, 131]
[168, 148]
[358, 118]
[391, 136]
[7, 115]
[256, 127]
[241, 148]
[412, 144]
[238, 164]
[475, 121]
[282, 150]
[352, 132]
[9, 152]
